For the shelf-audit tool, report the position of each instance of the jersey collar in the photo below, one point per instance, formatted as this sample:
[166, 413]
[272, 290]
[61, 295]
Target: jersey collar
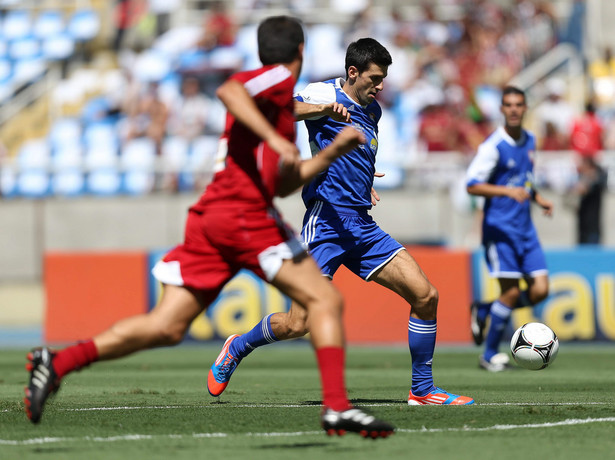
[509, 140]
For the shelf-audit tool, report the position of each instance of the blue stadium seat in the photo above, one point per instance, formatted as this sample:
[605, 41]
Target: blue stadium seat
[24, 48]
[16, 24]
[104, 182]
[58, 47]
[68, 183]
[84, 25]
[48, 23]
[138, 163]
[64, 131]
[8, 182]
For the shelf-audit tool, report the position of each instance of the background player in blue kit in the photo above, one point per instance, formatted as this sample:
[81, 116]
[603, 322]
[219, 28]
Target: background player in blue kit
[339, 229]
[503, 173]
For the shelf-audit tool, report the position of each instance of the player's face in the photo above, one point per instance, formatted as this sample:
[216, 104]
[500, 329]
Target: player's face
[513, 108]
[368, 83]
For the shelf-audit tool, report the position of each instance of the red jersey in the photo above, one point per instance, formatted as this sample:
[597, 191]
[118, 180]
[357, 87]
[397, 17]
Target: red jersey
[247, 170]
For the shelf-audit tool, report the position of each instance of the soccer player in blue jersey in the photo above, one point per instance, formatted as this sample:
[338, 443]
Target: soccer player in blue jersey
[502, 172]
[338, 227]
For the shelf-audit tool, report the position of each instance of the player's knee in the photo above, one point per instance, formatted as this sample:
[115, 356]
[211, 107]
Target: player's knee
[426, 305]
[165, 334]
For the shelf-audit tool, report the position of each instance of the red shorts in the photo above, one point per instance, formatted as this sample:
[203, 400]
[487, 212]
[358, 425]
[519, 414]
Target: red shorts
[219, 242]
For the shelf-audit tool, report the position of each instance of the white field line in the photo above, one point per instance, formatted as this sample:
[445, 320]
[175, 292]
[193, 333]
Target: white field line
[147, 437]
[292, 406]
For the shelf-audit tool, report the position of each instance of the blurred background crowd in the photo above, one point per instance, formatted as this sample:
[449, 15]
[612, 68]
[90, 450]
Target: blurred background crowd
[108, 98]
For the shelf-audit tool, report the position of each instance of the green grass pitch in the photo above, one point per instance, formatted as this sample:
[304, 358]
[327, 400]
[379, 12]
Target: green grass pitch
[154, 405]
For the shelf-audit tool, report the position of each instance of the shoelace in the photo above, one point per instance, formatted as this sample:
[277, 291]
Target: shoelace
[225, 367]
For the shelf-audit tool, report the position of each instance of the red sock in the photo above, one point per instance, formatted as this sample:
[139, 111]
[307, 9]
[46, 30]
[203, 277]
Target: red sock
[74, 357]
[331, 365]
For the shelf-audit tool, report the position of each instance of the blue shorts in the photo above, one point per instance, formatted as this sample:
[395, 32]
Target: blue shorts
[338, 235]
[510, 257]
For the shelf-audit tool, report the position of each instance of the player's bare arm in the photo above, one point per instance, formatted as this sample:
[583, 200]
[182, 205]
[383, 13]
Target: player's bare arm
[519, 194]
[344, 142]
[545, 204]
[240, 104]
[335, 110]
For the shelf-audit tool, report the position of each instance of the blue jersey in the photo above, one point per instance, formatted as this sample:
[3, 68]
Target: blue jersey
[348, 181]
[503, 161]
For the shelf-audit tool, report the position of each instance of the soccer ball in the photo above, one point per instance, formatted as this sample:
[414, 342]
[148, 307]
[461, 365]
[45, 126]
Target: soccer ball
[534, 346]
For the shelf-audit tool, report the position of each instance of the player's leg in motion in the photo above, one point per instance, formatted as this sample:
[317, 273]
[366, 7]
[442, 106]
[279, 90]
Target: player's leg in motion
[403, 276]
[272, 328]
[164, 325]
[302, 281]
[500, 311]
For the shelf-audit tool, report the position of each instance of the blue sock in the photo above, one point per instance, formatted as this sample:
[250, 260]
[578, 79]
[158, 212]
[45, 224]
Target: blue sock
[422, 342]
[500, 314]
[261, 334]
[483, 310]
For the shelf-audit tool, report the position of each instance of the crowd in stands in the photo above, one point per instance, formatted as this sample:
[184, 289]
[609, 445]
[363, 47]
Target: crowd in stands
[442, 93]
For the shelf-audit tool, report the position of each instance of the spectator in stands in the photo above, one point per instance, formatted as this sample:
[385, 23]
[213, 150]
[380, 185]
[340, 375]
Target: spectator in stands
[556, 112]
[148, 117]
[591, 185]
[586, 137]
[219, 28]
[553, 140]
[188, 116]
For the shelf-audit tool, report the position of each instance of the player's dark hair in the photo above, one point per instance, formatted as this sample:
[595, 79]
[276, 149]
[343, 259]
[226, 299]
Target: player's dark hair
[363, 52]
[279, 38]
[512, 90]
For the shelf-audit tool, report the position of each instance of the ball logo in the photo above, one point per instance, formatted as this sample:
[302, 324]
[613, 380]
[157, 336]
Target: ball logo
[373, 144]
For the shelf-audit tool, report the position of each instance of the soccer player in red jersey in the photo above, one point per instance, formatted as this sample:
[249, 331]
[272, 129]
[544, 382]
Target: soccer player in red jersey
[234, 225]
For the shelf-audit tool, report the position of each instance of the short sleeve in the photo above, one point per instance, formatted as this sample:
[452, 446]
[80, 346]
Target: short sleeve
[483, 164]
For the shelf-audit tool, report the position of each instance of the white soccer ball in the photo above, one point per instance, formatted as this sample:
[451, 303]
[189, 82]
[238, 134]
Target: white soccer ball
[534, 346]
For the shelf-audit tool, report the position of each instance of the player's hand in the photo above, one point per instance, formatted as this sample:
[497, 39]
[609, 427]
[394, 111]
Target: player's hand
[546, 205]
[375, 196]
[337, 112]
[347, 139]
[288, 152]
[519, 194]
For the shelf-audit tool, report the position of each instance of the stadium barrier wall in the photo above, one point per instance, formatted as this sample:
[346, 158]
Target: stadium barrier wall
[87, 292]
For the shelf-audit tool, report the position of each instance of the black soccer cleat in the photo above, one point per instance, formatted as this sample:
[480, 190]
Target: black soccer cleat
[354, 420]
[476, 324]
[43, 382]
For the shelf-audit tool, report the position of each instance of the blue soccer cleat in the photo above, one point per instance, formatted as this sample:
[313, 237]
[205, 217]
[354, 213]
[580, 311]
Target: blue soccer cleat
[222, 369]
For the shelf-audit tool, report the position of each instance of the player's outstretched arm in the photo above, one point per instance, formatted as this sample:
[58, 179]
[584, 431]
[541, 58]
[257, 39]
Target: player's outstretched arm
[546, 205]
[344, 142]
[519, 194]
[335, 110]
[240, 104]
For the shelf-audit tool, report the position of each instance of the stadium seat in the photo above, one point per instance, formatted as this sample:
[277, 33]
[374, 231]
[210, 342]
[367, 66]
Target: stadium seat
[48, 23]
[6, 70]
[24, 48]
[103, 182]
[58, 47]
[28, 70]
[64, 132]
[68, 183]
[151, 66]
[174, 154]
[17, 24]
[138, 163]
[139, 154]
[33, 184]
[8, 182]
[84, 25]
[100, 135]
[101, 157]
[34, 155]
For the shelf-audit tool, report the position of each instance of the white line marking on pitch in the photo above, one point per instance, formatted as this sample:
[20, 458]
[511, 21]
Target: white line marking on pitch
[283, 406]
[146, 437]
